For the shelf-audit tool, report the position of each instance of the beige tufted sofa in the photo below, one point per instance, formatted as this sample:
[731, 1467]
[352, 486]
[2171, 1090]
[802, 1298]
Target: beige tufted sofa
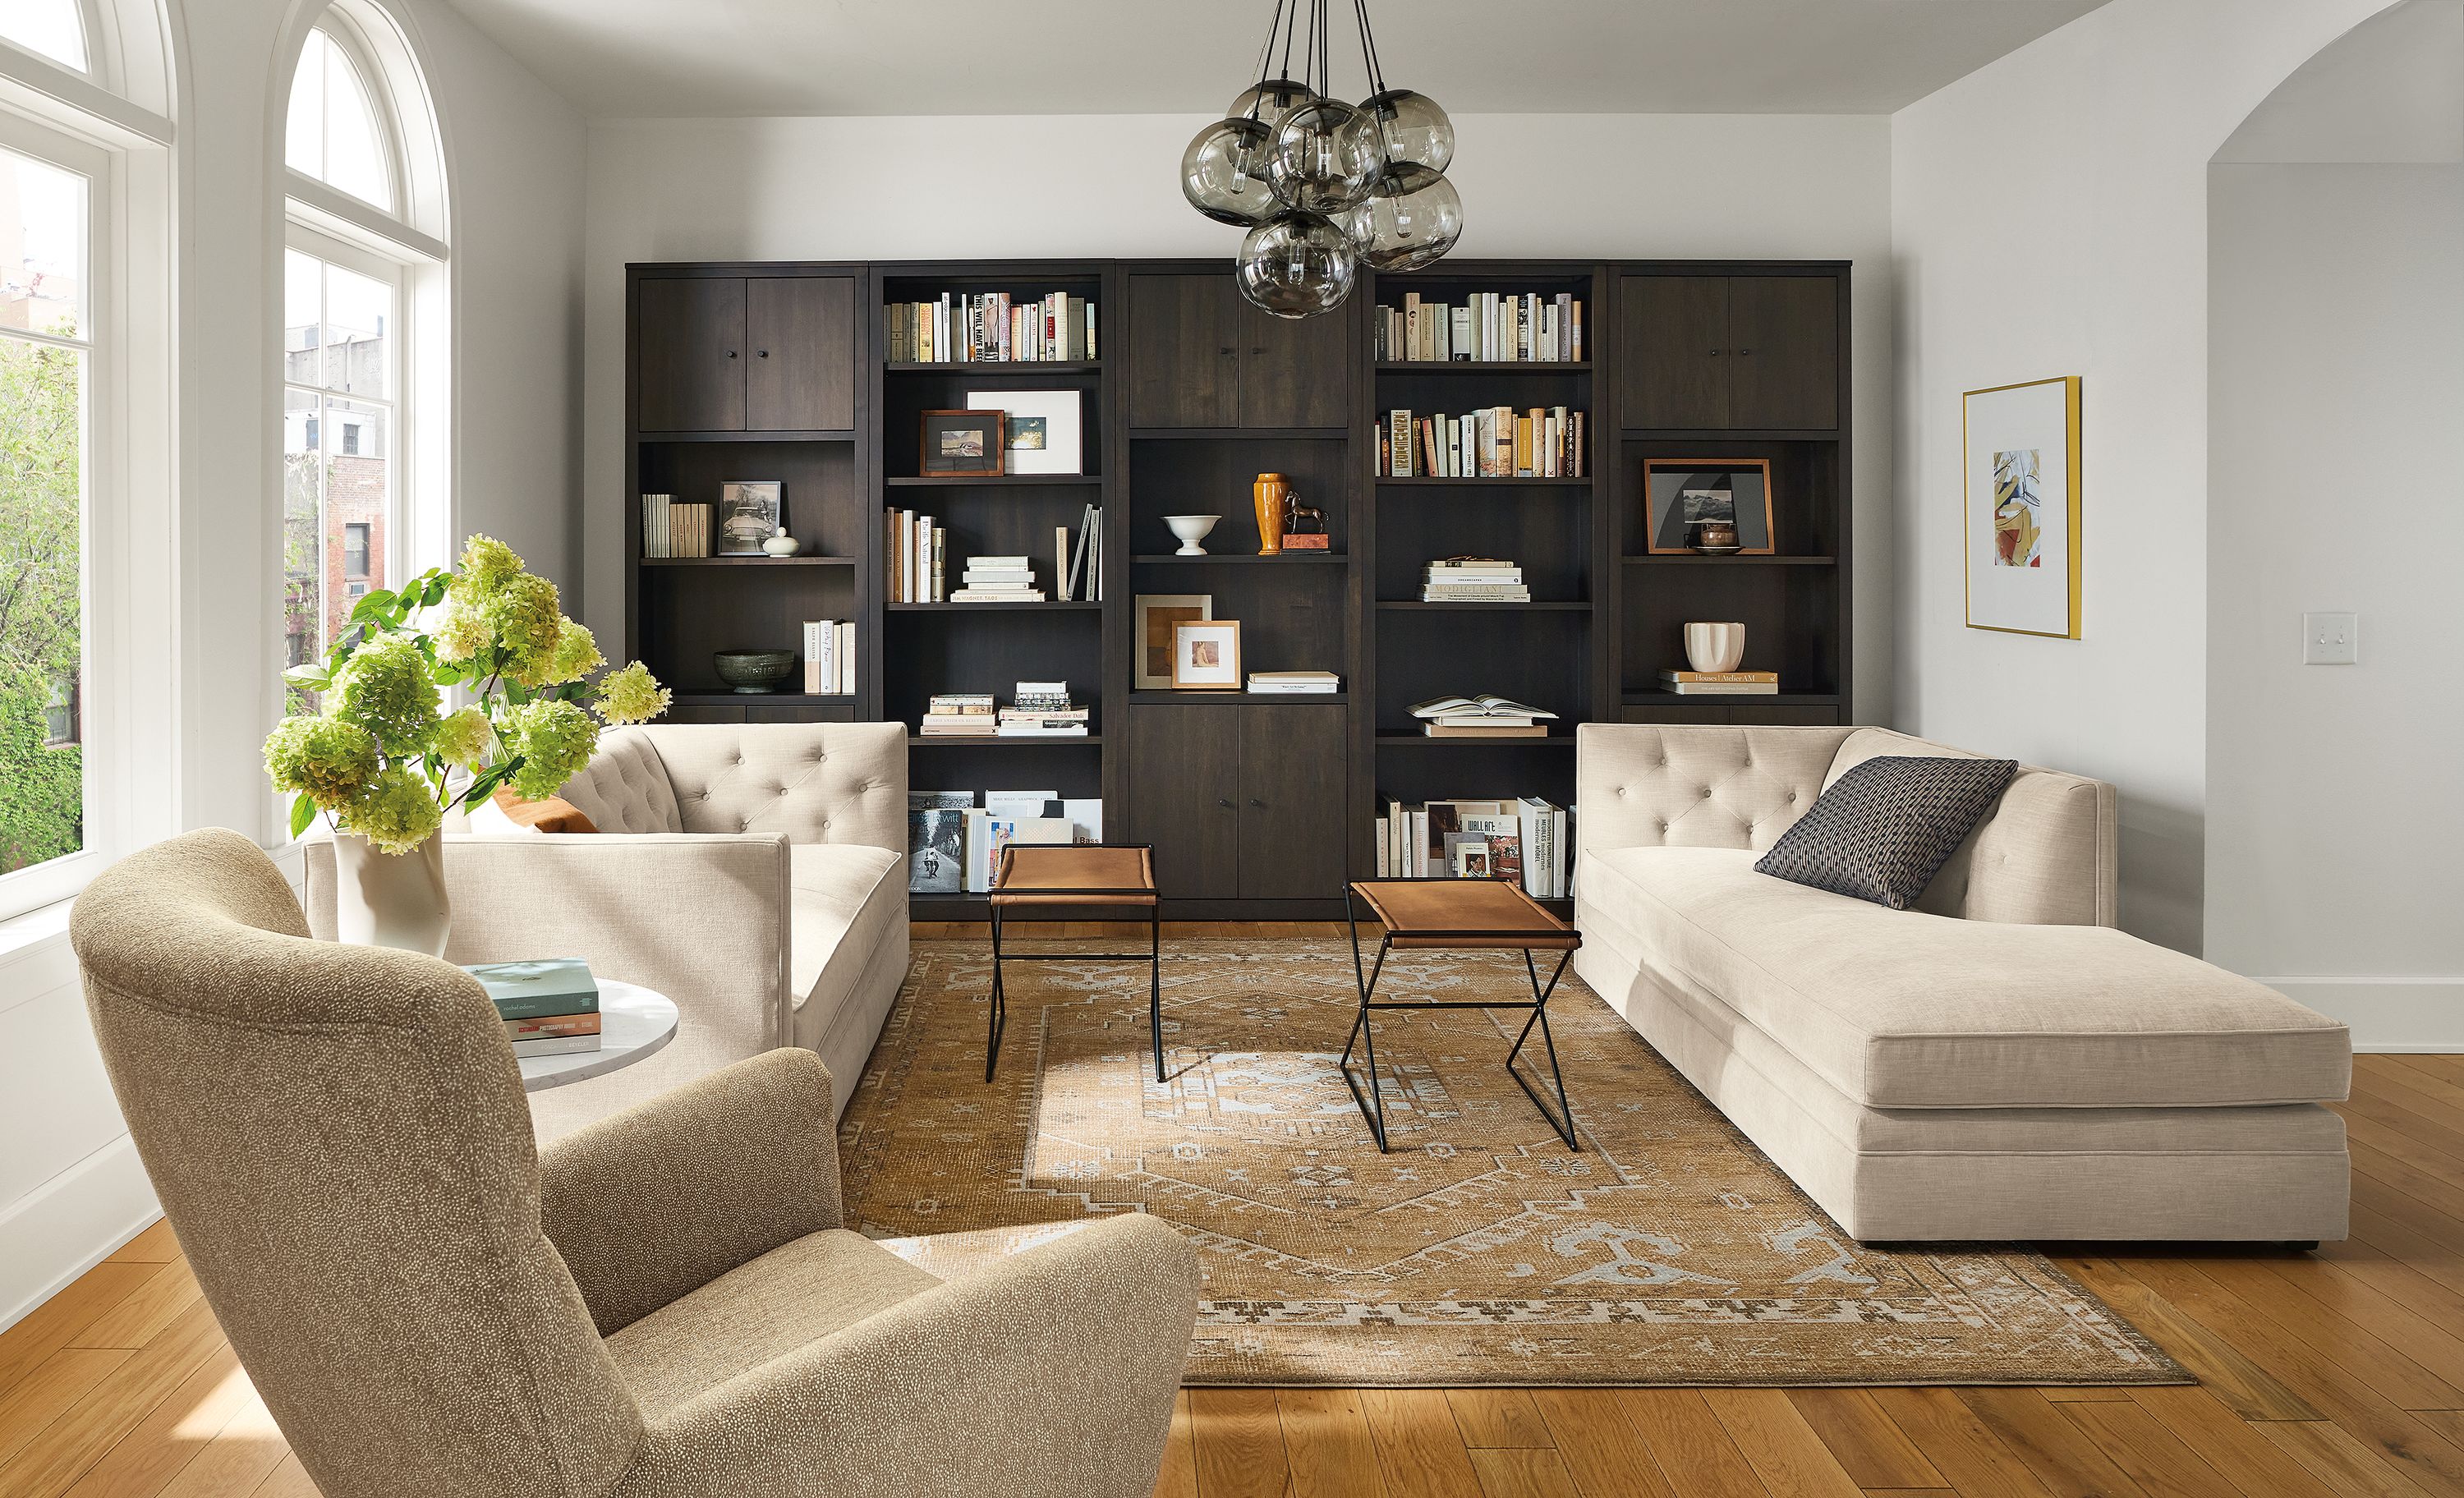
[1998, 1063]
[756, 873]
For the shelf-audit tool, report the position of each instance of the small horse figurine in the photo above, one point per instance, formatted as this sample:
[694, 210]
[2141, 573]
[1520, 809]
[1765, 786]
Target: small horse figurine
[1302, 520]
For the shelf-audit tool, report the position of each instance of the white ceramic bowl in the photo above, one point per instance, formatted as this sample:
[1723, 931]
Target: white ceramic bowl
[1191, 529]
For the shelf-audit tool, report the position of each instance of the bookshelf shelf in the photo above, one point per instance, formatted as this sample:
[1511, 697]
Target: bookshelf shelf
[1484, 483]
[1167, 558]
[721, 696]
[809, 434]
[1072, 606]
[1491, 605]
[1161, 699]
[1423, 741]
[1484, 367]
[1240, 433]
[751, 561]
[991, 741]
[1730, 561]
[1007, 366]
[997, 481]
[1728, 699]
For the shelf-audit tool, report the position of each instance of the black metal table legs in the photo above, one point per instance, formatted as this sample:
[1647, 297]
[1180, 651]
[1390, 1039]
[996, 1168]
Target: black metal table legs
[998, 1017]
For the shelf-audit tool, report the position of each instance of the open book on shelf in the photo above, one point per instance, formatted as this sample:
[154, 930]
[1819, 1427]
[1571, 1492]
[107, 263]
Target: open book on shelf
[1483, 710]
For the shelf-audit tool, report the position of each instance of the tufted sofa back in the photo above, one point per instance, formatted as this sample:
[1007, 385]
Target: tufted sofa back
[2045, 854]
[813, 782]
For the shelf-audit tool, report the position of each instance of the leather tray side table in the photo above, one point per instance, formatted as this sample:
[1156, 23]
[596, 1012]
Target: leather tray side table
[1103, 874]
[1440, 912]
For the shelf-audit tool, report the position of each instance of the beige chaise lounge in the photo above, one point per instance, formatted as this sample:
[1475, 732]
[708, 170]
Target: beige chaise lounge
[1999, 1063]
[756, 874]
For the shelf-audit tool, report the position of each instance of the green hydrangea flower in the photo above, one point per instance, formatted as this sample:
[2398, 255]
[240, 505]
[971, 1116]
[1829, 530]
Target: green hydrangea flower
[575, 656]
[554, 740]
[385, 687]
[462, 739]
[461, 632]
[397, 811]
[486, 565]
[631, 696]
[326, 760]
[523, 619]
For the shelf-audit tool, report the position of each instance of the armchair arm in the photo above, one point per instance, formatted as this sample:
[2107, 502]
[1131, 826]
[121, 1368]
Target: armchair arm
[1050, 1375]
[657, 1201]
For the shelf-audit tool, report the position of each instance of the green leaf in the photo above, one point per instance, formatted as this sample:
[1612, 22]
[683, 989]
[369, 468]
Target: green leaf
[311, 678]
[372, 604]
[434, 593]
[302, 813]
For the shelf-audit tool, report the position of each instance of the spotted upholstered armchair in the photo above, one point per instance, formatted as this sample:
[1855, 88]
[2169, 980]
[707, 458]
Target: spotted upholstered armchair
[666, 1304]
[754, 873]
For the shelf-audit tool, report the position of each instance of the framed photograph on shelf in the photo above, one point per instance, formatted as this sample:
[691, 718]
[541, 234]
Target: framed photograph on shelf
[1206, 657]
[1679, 495]
[1156, 615]
[960, 443]
[2020, 456]
[750, 512]
[1043, 430]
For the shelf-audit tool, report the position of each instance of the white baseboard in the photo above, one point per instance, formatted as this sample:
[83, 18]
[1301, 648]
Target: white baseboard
[75, 1220]
[2399, 1014]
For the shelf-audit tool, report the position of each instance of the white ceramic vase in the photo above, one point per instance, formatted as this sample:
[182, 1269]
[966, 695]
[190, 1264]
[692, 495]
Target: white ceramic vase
[391, 899]
[1191, 529]
[1715, 647]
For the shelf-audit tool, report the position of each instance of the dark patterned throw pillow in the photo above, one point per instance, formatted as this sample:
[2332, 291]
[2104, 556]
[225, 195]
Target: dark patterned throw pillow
[1883, 830]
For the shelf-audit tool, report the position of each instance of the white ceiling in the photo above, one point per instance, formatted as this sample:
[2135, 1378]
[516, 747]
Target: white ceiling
[714, 57]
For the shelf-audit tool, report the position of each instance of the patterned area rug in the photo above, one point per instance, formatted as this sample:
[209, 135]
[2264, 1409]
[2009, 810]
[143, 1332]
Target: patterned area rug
[1482, 1251]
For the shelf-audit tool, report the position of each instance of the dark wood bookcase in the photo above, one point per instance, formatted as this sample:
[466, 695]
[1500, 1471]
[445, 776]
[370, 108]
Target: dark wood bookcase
[1258, 807]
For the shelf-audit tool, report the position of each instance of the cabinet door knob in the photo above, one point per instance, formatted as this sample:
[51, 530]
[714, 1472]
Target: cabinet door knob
[731, 353]
[1255, 801]
[1744, 353]
[1225, 804]
[761, 353]
[1257, 348]
[1717, 352]
[1226, 353]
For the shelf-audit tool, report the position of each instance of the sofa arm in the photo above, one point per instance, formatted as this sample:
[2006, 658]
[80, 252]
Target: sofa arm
[1049, 1375]
[658, 1200]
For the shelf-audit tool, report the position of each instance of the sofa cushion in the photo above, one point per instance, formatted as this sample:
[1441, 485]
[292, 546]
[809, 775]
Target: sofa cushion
[1902, 1009]
[844, 898]
[625, 787]
[1881, 829]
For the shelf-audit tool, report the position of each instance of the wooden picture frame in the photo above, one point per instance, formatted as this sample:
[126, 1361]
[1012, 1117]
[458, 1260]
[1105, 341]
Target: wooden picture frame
[1206, 656]
[1151, 640]
[1665, 527]
[959, 445]
[2019, 503]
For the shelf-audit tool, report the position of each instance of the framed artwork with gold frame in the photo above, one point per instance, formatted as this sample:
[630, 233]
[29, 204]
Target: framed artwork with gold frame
[2019, 523]
[1206, 656]
[1151, 644]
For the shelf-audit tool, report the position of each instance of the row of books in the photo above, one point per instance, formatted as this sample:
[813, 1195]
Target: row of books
[1720, 683]
[913, 557]
[1482, 716]
[830, 657]
[991, 327]
[1523, 840]
[1036, 710]
[1498, 327]
[550, 1008]
[953, 843]
[670, 529]
[1473, 580]
[1078, 562]
[1493, 441]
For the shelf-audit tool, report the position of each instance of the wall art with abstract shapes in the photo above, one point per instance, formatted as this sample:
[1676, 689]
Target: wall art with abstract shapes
[2021, 497]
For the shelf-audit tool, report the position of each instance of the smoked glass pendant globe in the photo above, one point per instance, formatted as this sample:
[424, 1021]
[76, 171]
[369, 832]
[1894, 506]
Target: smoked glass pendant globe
[1296, 265]
[1270, 101]
[1403, 227]
[1327, 156]
[1224, 172]
[1416, 136]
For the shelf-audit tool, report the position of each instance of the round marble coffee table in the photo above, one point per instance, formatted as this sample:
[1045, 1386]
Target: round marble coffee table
[635, 1024]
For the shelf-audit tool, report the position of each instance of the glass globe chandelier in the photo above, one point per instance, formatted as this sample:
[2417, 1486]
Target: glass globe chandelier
[1324, 186]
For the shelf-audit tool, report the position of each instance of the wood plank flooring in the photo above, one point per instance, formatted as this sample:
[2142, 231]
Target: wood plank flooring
[2339, 1375]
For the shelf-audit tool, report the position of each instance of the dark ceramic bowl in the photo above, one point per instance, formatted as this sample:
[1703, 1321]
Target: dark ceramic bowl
[754, 670]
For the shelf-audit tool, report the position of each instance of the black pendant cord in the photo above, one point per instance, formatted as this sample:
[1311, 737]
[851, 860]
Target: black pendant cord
[1369, 49]
[1266, 52]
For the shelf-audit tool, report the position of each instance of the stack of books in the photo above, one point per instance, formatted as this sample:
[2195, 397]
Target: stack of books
[1496, 327]
[1473, 580]
[991, 327]
[550, 1008]
[913, 554]
[1294, 683]
[1494, 442]
[1043, 710]
[958, 714]
[1522, 840]
[1482, 716]
[1078, 563]
[830, 657]
[1720, 683]
[998, 580]
[670, 529]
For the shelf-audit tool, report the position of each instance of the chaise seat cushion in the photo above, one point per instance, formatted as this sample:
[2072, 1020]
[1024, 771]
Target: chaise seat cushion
[1902, 1009]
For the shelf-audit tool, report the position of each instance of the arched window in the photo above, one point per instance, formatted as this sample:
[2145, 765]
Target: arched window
[53, 29]
[363, 499]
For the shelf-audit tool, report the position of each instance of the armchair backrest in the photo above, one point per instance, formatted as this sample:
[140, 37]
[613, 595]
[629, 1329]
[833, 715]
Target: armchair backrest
[2046, 855]
[816, 783]
[339, 1136]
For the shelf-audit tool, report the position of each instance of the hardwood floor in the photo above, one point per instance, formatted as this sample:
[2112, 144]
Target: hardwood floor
[2339, 1374]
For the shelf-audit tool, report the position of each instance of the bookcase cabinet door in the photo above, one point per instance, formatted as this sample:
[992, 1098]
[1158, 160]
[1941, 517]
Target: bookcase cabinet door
[1294, 833]
[799, 372]
[1185, 762]
[689, 353]
[1186, 371]
[1675, 351]
[1785, 372]
[1292, 374]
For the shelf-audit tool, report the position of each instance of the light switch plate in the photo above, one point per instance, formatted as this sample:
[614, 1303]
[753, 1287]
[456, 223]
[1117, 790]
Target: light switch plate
[2331, 639]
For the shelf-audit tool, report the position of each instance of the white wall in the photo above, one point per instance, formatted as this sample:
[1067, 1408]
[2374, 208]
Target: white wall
[2336, 374]
[2048, 215]
[1625, 186]
[70, 1185]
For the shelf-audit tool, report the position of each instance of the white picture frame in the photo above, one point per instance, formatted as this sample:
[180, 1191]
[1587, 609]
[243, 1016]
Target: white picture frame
[2019, 536]
[1206, 657]
[1044, 433]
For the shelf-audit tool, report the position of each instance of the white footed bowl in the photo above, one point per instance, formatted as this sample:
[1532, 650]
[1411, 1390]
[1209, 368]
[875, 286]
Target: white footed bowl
[1191, 529]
